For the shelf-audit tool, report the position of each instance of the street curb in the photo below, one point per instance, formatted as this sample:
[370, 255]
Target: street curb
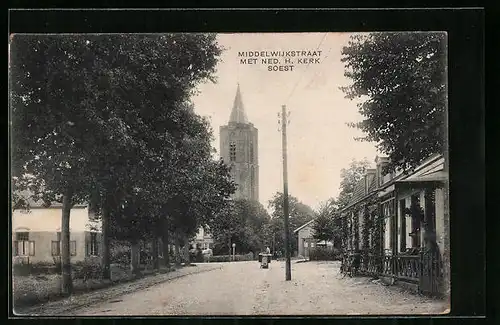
[38, 310]
[301, 261]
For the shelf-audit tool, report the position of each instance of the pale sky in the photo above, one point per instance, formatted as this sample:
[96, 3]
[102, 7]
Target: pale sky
[320, 143]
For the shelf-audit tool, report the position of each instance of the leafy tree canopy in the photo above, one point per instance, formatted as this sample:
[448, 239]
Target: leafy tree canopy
[299, 213]
[400, 79]
[323, 225]
[242, 224]
[349, 178]
[103, 117]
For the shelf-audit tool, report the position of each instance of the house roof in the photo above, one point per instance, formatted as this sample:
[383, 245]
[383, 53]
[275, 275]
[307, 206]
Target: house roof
[431, 170]
[439, 176]
[39, 217]
[303, 226]
[33, 202]
[41, 220]
[364, 187]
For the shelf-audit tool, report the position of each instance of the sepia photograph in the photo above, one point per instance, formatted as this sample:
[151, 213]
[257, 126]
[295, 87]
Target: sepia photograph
[229, 174]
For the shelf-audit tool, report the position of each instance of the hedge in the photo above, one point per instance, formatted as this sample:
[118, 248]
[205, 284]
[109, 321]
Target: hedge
[325, 254]
[228, 258]
[36, 268]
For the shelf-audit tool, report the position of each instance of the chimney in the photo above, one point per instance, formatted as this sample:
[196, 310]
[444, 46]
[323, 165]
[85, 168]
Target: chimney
[380, 162]
[370, 173]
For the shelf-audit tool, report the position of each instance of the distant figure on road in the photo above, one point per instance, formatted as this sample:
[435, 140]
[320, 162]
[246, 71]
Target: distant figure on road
[268, 251]
[208, 252]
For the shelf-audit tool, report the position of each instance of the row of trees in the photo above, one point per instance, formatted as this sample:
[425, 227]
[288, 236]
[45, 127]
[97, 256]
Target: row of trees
[107, 119]
[299, 214]
[250, 226]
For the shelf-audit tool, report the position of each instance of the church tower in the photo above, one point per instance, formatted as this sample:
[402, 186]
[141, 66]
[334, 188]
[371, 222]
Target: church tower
[239, 149]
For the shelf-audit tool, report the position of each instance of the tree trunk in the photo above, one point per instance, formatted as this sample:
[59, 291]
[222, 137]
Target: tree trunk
[156, 264]
[134, 257]
[105, 260]
[177, 251]
[166, 251]
[186, 252]
[67, 283]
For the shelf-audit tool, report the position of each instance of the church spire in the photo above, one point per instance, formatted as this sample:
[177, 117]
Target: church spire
[238, 112]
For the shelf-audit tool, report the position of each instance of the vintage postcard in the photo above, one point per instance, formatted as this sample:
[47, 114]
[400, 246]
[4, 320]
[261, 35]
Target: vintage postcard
[229, 174]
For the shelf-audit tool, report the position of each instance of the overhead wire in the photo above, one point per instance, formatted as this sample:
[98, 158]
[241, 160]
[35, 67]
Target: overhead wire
[297, 83]
[317, 72]
[303, 73]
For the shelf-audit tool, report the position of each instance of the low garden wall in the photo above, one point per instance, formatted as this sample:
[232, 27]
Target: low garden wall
[229, 258]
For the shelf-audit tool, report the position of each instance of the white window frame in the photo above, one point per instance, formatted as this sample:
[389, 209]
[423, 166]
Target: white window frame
[72, 246]
[24, 247]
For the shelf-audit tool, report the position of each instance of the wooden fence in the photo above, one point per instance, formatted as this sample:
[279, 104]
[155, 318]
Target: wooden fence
[423, 269]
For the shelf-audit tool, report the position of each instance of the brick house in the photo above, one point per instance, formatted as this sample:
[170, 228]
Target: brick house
[36, 233]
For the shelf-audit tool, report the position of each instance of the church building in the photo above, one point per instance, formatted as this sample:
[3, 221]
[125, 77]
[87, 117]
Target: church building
[239, 149]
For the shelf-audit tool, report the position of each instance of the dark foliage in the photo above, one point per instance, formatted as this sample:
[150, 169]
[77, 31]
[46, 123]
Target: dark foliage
[400, 79]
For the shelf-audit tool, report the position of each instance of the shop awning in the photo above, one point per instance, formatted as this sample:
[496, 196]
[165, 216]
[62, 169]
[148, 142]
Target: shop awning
[439, 176]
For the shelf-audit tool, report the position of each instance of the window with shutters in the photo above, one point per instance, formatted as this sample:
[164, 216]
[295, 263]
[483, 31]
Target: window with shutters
[23, 246]
[232, 151]
[57, 244]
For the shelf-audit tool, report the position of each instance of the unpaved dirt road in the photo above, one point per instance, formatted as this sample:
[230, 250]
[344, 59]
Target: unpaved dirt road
[242, 288]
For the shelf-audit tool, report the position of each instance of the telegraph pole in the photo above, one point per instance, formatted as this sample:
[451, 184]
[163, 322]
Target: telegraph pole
[284, 122]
